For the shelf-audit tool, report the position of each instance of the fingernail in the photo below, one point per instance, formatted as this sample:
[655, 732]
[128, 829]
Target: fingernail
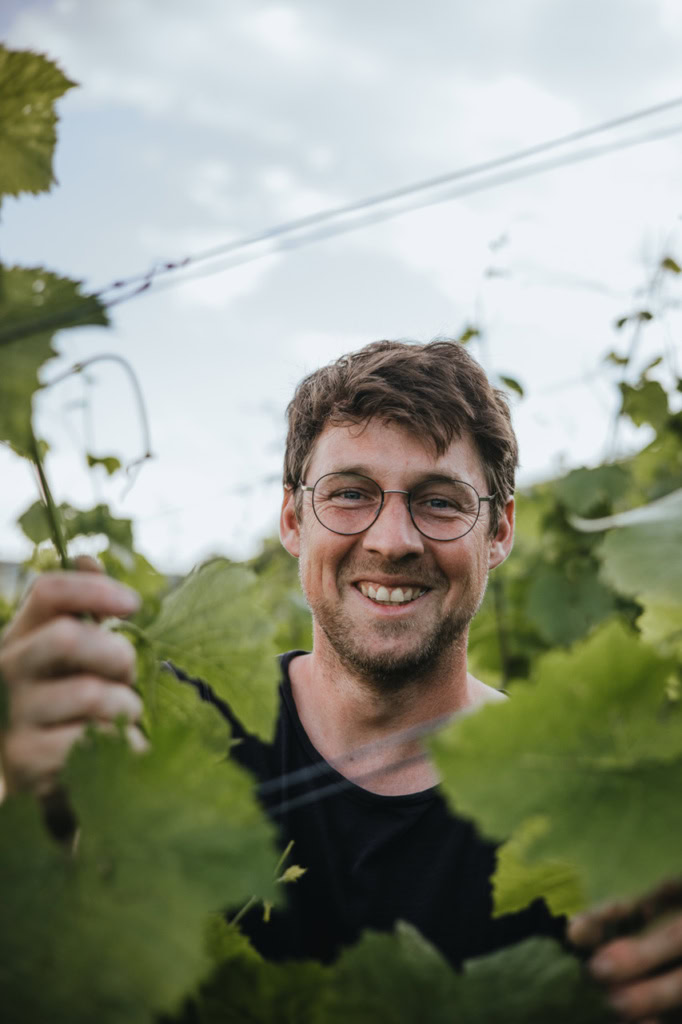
[601, 966]
[130, 600]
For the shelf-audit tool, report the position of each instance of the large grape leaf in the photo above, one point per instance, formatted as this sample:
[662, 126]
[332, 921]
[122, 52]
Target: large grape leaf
[401, 979]
[516, 883]
[595, 747]
[29, 296]
[214, 626]
[29, 86]
[116, 930]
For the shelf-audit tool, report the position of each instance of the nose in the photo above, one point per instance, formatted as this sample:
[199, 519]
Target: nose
[393, 534]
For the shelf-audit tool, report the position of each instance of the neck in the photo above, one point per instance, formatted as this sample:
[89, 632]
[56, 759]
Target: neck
[342, 711]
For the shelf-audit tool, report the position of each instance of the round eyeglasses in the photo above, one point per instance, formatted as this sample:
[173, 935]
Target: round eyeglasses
[441, 509]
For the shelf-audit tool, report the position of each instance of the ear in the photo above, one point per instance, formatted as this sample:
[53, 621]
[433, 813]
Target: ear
[501, 543]
[289, 526]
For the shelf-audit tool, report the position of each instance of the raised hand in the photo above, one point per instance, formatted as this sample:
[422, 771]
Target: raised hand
[63, 672]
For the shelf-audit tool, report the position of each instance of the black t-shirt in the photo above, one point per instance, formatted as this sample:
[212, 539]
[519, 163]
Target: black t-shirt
[371, 860]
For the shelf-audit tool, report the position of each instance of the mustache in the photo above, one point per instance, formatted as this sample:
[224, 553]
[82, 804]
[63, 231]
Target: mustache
[418, 576]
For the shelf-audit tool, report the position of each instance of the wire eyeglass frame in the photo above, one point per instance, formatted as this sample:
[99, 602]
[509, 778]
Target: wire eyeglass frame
[354, 533]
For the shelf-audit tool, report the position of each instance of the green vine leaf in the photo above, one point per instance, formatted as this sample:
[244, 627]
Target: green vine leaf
[585, 490]
[512, 384]
[668, 263]
[116, 932]
[26, 297]
[109, 462]
[564, 608]
[647, 403]
[516, 883]
[595, 748]
[214, 626]
[29, 86]
[77, 523]
[644, 555]
[244, 987]
[386, 979]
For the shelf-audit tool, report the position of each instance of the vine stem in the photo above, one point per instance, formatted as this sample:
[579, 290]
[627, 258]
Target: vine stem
[247, 906]
[139, 398]
[50, 507]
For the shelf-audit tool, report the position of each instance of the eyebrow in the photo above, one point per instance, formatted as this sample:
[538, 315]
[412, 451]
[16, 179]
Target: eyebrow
[421, 478]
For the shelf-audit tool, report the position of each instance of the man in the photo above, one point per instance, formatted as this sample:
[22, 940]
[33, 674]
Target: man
[398, 501]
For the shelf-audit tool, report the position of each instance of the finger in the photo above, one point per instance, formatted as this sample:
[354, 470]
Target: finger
[71, 593]
[75, 699]
[650, 997]
[590, 927]
[33, 758]
[66, 645]
[631, 958]
[136, 739]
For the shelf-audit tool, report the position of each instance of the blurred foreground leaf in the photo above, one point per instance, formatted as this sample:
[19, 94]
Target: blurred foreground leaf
[402, 979]
[516, 883]
[244, 987]
[595, 748]
[115, 931]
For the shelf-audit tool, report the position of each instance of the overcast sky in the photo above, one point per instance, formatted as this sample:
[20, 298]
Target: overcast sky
[196, 124]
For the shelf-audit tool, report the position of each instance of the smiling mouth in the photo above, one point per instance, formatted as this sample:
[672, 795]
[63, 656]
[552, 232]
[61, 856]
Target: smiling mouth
[381, 594]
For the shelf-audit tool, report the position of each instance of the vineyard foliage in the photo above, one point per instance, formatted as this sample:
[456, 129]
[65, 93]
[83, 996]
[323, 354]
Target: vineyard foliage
[577, 776]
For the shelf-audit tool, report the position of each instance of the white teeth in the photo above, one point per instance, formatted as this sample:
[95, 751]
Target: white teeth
[397, 595]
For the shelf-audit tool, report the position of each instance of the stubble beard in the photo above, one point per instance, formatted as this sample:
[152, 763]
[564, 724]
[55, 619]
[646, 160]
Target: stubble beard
[392, 671]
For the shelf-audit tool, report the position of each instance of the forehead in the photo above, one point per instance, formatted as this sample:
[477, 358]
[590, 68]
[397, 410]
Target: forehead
[391, 454]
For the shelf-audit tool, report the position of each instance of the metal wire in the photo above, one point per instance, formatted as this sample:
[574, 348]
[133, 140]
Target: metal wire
[139, 283]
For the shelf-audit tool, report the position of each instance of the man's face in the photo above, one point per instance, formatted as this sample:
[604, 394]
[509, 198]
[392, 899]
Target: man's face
[391, 642]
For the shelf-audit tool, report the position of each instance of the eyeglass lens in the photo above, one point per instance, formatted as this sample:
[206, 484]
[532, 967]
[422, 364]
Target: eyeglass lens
[441, 509]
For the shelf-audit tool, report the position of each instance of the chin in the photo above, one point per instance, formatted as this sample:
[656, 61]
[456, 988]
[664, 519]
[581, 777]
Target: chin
[393, 661]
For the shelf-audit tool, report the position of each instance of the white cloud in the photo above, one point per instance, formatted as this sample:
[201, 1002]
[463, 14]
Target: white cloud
[280, 30]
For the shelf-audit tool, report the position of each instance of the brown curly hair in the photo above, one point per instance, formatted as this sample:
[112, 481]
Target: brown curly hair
[438, 390]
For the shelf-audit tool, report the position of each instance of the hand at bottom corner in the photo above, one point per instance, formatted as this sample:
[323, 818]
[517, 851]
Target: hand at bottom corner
[637, 953]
